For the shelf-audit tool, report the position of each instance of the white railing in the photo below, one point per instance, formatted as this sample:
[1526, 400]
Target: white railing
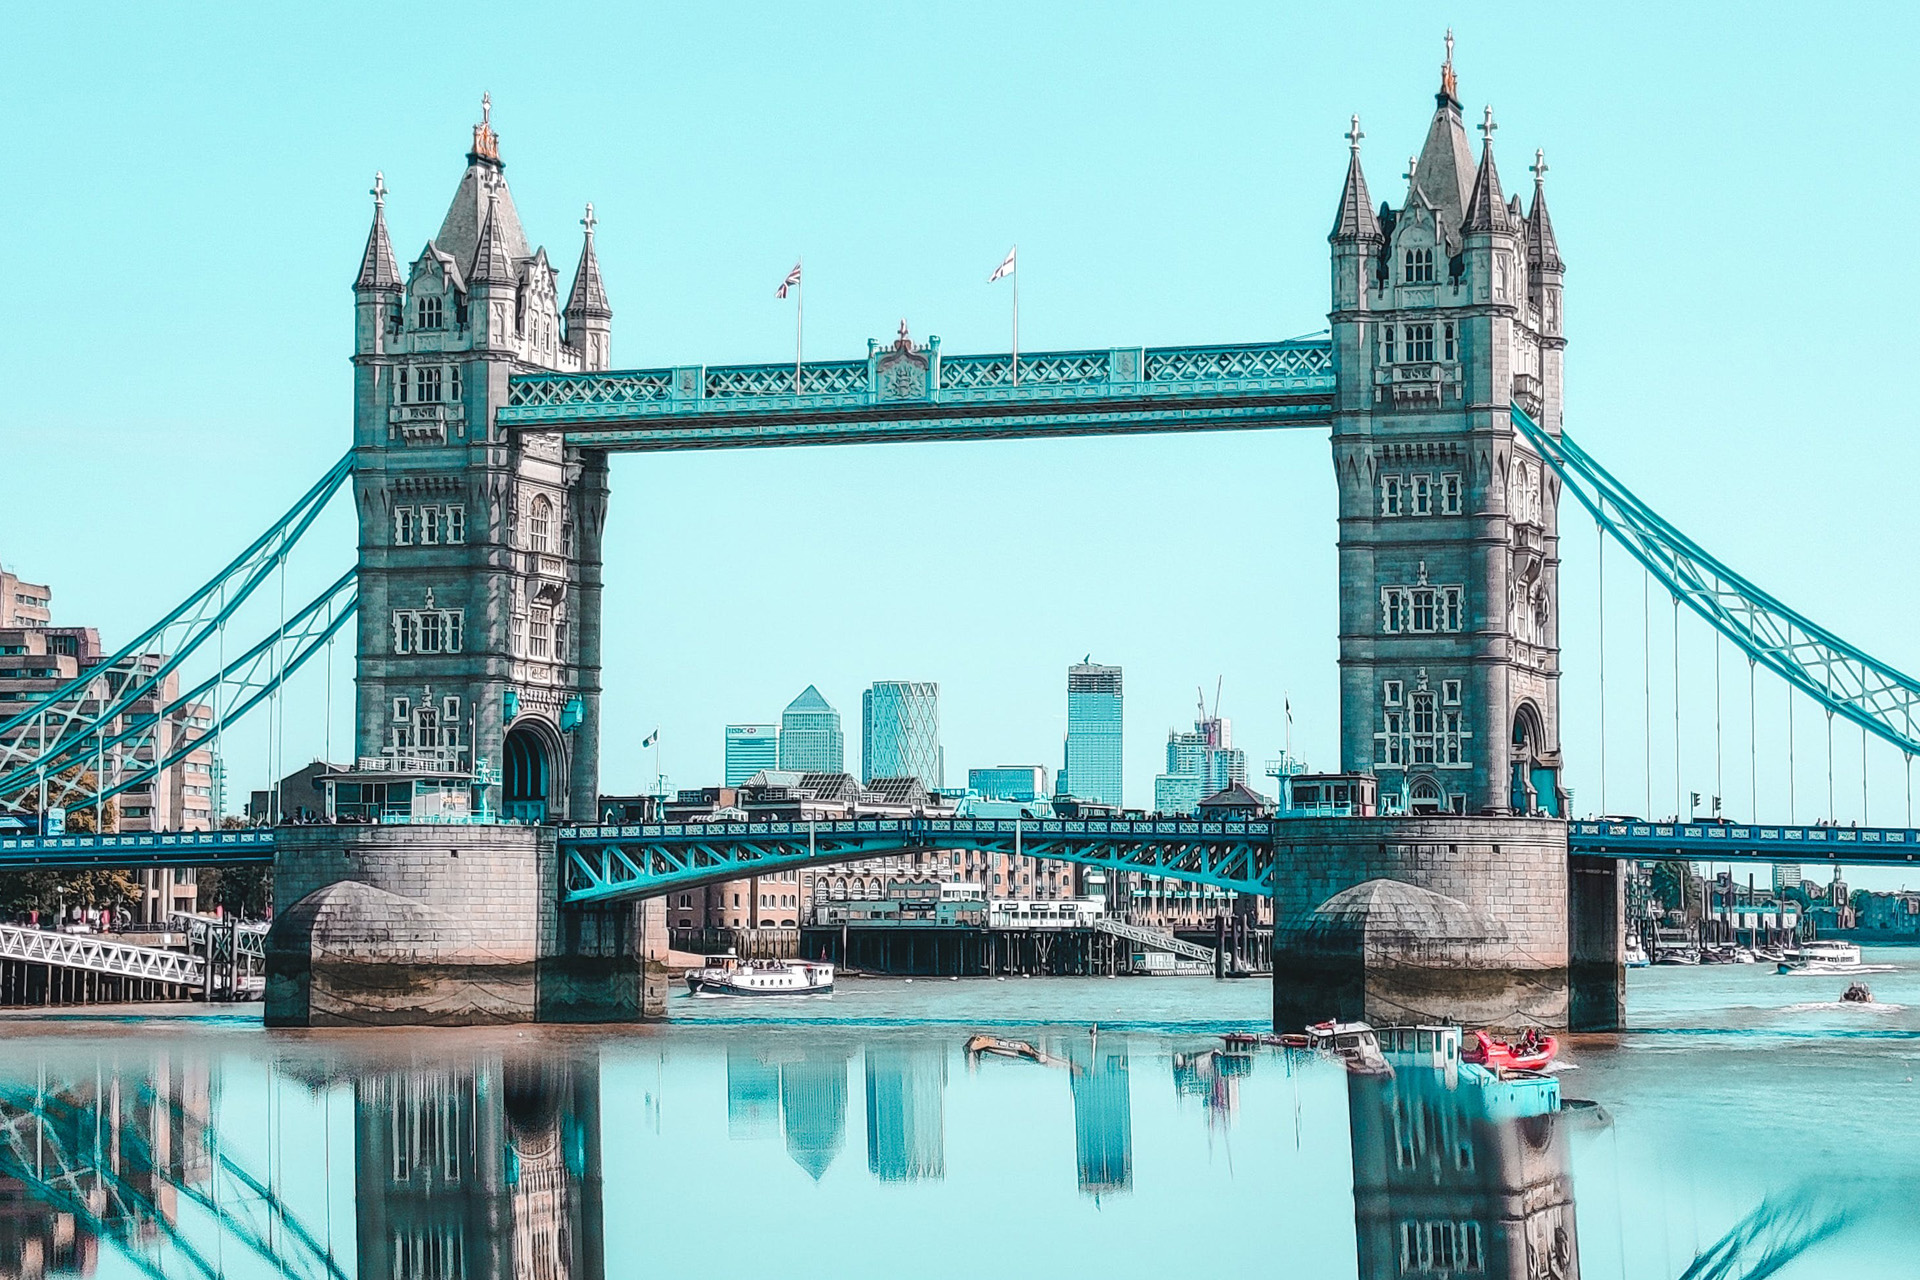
[1154, 938]
[97, 954]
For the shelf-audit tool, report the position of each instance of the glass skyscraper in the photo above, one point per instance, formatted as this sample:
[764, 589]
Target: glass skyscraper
[810, 737]
[1094, 715]
[900, 732]
[1009, 782]
[1199, 764]
[751, 748]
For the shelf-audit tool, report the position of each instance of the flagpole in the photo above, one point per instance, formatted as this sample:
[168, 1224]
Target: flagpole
[799, 321]
[1016, 315]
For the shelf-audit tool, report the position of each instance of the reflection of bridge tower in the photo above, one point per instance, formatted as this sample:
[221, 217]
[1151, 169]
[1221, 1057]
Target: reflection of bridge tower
[1442, 1185]
[1102, 1116]
[753, 1095]
[479, 550]
[906, 1112]
[487, 1173]
[813, 1108]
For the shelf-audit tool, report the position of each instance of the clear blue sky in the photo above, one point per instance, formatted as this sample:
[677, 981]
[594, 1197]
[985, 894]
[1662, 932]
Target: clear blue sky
[187, 200]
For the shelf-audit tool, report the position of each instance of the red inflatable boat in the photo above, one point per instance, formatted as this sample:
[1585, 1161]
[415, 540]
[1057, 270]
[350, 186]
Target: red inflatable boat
[1484, 1050]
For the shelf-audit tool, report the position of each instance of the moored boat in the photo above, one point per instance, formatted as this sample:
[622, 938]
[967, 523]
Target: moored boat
[1354, 1043]
[1533, 1053]
[728, 975]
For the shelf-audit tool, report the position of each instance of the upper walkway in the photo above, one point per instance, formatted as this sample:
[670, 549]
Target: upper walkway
[903, 392]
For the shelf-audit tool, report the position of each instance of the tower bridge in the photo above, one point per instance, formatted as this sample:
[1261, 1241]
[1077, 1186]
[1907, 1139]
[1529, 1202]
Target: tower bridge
[485, 410]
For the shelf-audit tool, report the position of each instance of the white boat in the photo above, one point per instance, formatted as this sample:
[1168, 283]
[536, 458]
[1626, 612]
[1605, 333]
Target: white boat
[1636, 956]
[730, 976]
[1824, 957]
[1352, 1042]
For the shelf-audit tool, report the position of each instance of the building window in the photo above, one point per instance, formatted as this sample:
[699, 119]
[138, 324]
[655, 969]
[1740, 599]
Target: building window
[402, 708]
[1450, 692]
[1394, 735]
[1446, 338]
[1449, 495]
[430, 524]
[431, 314]
[1422, 608]
[1387, 333]
[1390, 693]
[1451, 612]
[456, 523]
[1391, 503]
[1420, 343]
[1450, 729]
[403, 526]
[1423, 495]
[429, 384]
[1393, 605]
[541, 632]
[406, 383]
[540, 523]
[428, 630]
[1417, 266]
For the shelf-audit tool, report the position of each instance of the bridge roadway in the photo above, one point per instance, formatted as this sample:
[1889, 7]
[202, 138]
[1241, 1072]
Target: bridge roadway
[609, 864]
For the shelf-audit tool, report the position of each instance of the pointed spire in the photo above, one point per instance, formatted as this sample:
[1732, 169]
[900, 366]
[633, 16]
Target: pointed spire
[1486, 207]
[1442, 177]
[1541, 246]
[1356, 220]
[1449, 88]
[492, 261]
[588, 300]
[379, 272]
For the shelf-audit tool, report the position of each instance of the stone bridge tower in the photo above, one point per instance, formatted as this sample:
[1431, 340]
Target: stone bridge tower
[480, 560]
[1446, 312]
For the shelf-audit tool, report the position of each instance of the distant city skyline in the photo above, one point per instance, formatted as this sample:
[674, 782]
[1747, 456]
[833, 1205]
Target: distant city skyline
[900, 732]
[1096, 722]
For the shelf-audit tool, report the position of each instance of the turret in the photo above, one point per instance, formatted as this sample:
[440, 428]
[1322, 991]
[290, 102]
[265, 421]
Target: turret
[589, 317]
[377, 290]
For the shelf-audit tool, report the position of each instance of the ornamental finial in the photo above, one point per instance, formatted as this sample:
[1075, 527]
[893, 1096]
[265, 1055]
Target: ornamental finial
[1539, 166]
[1354, 135]
[379, 190]
[1448, 88]
[589, 222]
[903, 342]
[1413, 170]
[486, 102]
[486, 143]
[1487, 126]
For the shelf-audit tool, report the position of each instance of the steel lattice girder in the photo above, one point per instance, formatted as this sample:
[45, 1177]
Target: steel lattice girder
[57, 731]
[1732, 842]
[1837, 675]
[1059, 393]
[606, 864]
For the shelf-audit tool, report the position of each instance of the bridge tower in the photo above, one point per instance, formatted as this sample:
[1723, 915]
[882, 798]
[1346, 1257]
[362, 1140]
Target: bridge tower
[1447, 311]
[480, 560]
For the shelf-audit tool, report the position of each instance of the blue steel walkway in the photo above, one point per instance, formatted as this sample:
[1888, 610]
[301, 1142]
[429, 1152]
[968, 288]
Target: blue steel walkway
[902, 392]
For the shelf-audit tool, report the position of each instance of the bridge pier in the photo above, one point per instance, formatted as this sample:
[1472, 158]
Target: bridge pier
[1475, 920]
[449, 926]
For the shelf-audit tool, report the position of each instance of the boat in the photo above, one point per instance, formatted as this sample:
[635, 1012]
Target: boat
[1857, 993]
[1636, 956]
[1678, 955]
[1824, 957]
[729, 975]
[1484, 1050]
[1354, 1043]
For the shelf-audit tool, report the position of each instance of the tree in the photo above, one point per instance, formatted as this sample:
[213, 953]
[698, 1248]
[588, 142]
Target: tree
[246, 892]
[52, 891]
[1673, 885]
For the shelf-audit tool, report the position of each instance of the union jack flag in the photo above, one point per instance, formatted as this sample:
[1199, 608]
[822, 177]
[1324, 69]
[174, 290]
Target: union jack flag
[792, 281]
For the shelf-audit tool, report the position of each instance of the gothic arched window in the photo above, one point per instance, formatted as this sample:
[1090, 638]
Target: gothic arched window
[431, 316]
[540, 523]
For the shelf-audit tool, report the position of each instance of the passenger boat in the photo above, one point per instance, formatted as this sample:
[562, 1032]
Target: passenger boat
[1483, 1050]
[1352, 1042]
[1636, 955]
[1824, 957]
[728, 975]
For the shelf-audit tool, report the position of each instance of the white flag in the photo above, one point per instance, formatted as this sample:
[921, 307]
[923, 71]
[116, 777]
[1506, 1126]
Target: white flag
[1006, 267]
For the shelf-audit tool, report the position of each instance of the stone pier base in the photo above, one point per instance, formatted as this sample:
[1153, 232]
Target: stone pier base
[1478, 921]
[449, 926]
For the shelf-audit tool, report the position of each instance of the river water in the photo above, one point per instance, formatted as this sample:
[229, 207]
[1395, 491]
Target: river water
[854, 1137]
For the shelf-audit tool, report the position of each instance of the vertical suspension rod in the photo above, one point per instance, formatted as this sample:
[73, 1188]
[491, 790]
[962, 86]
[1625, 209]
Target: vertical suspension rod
[1601, 532]
[1646, 680]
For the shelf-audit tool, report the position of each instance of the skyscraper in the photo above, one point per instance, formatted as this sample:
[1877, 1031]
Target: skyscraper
[1093, 732]
[1198, 764]
[900, 732]
[751, 748]
[810, 737]
[1009, 782]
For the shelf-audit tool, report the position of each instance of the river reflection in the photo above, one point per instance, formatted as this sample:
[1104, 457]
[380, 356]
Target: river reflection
[563, 1156]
